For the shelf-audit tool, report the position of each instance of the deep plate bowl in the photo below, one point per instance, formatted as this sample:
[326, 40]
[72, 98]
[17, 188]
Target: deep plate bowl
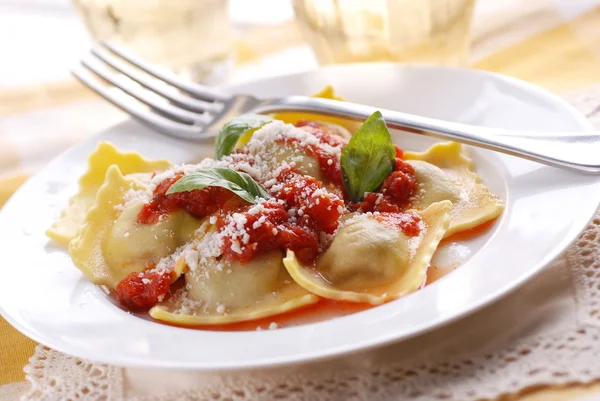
[43, 295]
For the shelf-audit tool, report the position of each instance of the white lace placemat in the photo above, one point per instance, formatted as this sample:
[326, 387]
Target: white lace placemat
[546, 332]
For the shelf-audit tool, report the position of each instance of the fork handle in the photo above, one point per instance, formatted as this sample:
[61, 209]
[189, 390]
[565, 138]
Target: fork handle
[578, 151]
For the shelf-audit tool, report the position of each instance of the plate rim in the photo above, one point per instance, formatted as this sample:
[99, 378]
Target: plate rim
[581, 119]
[364, 345]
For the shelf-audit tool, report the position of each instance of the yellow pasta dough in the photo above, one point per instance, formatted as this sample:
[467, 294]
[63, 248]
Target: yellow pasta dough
[104, 156]
[221, 292]
[250, 206]
[444, 172]
[110, 244]
[369, 261]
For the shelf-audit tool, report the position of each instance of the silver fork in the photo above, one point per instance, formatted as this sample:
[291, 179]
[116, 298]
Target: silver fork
[191, 111]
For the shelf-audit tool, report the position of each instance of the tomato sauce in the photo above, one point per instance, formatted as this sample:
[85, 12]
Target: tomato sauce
[395, 193]
[324, 309]
[407, 222]
[141, 291]
[328, 164]
[274, 227]
[199, 202]
[471, 233]
[273, 232]
[300, 211]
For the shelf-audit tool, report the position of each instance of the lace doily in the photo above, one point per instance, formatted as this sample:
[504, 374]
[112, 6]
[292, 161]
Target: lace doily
[546, 332]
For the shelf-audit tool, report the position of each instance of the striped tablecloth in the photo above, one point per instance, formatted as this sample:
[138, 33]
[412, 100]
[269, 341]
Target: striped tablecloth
[552, 43]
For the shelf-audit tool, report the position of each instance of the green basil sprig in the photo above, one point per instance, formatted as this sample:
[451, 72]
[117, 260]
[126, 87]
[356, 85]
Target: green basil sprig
[368, 158]
[240, 184]
[233, 130]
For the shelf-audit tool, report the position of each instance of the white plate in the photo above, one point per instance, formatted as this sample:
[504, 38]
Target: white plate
[45, 297]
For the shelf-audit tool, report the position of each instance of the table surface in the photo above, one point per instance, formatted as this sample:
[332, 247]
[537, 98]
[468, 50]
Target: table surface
[555, 44]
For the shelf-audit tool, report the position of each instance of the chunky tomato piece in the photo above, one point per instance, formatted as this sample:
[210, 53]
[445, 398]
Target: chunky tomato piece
[141, 291]
[403, 166]
[315, 206]
[328, 164]
[294, 219]
[395, 192]
[261, 228]
[399, 153]
[267, 230]
[399, 187]
[375, 202]
[303, 241]
[199, 202]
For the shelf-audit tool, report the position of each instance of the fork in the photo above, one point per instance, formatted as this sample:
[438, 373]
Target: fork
[173, 106]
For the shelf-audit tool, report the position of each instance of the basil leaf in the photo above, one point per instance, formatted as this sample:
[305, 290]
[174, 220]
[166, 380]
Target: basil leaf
[240, 184]
[368, 158]
[233, 129]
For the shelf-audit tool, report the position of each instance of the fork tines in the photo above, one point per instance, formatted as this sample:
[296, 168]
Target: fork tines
[153, 96]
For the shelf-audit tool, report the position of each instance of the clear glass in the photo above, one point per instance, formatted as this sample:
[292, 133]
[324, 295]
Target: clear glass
[425, 31]
[191, 37]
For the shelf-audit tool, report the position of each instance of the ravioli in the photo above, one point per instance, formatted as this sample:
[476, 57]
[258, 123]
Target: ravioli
[110, 244]
[304, 163]
[134, 246]
[444, 172]
[370, 261]
[220, 292]
[104, 156]
[212, 251]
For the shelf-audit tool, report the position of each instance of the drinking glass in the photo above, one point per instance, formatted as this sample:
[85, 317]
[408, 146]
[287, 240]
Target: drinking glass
[426, 31]
[191, 37]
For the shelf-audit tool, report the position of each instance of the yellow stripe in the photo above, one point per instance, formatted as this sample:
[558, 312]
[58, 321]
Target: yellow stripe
[15, 348]
[14, 353]
[9, 185]
[563, 58]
